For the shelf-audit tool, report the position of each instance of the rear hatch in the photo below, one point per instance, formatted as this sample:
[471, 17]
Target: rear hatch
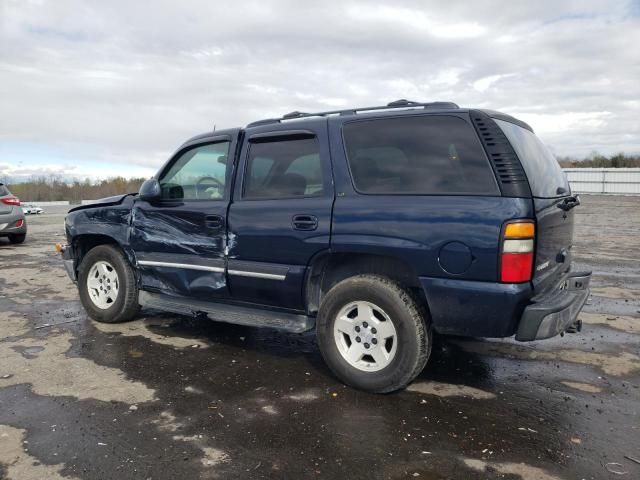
[553, 204]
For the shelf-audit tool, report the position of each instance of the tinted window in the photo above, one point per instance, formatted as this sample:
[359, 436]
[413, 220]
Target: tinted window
[4, 191]
[260, 168]
[284, 169]
[545, 176]
[310, 168]
[418, 155]
[198, 174]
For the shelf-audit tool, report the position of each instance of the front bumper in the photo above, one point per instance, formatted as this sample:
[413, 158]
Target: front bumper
[554, 312]
[69, 262]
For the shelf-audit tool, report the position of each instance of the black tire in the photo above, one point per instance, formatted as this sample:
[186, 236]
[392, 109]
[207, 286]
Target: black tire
[410, 319]
[125, 307]
[15, 239]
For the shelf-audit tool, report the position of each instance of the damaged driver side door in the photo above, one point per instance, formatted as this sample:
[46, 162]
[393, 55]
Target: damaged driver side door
[179, 239]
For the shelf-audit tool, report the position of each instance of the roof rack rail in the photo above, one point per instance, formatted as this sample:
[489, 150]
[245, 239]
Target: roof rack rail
[402, 103]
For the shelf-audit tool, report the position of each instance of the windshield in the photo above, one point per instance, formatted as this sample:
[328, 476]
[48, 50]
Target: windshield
[546, 178]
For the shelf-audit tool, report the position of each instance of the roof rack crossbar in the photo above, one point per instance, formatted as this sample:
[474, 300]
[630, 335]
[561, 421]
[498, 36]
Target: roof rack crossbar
[402, 103]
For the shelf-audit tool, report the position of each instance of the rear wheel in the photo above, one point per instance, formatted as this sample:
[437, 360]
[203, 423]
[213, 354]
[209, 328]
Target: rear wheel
[373, 334]
[107, 285]
[17, 238]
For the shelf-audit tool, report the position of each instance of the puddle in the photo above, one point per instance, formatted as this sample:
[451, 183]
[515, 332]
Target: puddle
[51, 372]
[19, 464]
[141, 328]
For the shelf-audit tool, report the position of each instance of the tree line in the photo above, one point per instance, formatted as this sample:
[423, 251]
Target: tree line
[52, 188]
[597, 160]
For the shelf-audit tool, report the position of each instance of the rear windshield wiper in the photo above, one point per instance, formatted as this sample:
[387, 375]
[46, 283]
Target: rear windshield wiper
[569, 202]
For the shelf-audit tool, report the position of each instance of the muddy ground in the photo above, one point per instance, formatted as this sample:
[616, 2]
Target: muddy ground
[167, 397]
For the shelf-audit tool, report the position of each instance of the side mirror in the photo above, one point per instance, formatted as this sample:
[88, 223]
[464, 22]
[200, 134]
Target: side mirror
[150, 190]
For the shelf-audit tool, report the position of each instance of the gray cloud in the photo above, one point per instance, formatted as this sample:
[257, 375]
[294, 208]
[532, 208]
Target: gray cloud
[121, 81]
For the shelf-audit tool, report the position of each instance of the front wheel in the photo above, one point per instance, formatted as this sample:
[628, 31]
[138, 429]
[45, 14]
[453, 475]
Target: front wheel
[107, 285]
[373, 334]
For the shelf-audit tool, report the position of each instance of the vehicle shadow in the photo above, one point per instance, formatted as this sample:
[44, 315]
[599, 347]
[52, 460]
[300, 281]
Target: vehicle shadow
[448, 362]
[4, 242]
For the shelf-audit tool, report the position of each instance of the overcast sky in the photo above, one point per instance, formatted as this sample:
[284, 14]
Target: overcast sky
[111, 87]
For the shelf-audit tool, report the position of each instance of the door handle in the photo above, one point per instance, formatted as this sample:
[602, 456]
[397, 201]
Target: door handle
[214, 222]
[305, 222]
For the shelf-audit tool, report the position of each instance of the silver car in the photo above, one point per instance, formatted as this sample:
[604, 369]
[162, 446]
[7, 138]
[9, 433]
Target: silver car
[32, 210]
[12, 221]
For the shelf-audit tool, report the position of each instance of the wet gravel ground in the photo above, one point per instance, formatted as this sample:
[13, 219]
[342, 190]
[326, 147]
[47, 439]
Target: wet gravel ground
[167, 397]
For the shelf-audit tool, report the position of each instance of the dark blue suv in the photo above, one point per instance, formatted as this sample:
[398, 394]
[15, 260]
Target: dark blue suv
[375, 226]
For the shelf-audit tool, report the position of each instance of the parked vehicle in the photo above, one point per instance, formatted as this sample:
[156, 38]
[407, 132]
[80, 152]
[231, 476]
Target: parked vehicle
[12, 221]
[375, 226]
[32, 210]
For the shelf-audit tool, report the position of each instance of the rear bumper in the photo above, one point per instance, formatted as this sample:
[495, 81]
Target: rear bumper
[489, 309]
[475, 309]
[8, 221]
[555, 311]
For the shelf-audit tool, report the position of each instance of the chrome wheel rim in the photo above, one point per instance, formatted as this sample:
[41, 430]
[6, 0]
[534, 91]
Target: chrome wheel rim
[365, 336]
[103, 284]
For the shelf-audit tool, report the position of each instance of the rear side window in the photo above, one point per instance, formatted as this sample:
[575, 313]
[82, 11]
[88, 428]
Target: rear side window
[4, 191]
[546, 178]
[418, 155]
[287, 168]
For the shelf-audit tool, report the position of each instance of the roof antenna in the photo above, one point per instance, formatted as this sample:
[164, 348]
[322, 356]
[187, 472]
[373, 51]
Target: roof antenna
[214, 127]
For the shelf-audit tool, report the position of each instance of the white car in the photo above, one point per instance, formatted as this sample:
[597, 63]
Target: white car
[32, 210]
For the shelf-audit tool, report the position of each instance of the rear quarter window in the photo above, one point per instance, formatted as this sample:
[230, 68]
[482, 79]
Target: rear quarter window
[417, 155]
[4, 191]
[546, 178]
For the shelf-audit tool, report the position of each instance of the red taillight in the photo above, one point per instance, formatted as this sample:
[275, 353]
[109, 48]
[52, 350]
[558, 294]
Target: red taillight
[19, 223]
[516, 254]
[11, 201]
[516, 267]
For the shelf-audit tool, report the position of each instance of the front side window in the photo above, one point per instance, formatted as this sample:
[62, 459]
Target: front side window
[418, 155]
[287, 168]
[198, 174]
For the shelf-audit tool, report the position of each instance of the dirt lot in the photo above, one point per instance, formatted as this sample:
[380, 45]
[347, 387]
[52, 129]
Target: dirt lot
[167, 397]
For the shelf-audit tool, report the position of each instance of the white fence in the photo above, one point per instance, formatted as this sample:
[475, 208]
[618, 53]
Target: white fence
[44, 204]
[612, 181]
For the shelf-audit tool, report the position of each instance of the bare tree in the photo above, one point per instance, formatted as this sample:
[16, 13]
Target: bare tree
[53, 188]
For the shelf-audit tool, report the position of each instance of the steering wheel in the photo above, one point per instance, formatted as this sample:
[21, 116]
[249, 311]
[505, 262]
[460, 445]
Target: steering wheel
[218, 183]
